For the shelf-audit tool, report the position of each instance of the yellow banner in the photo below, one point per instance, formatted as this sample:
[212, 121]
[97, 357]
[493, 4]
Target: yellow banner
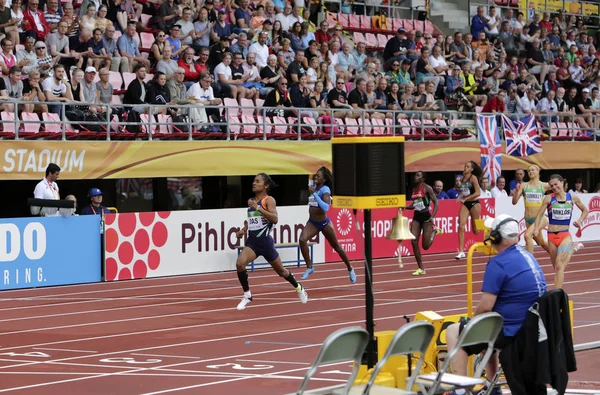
[571, 7]
[27, 160]
[23, 160]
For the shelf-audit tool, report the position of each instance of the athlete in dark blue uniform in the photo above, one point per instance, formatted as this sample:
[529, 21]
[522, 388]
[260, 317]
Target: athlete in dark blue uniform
[319, 202]
[262, 215]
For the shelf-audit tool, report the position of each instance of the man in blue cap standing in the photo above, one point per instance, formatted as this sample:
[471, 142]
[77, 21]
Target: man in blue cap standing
[96, 207]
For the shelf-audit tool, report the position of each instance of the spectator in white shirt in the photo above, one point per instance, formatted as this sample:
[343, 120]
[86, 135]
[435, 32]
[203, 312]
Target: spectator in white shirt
[526, 104]
[498, 190]
[484, 184]
[202, 93]
[261, 50]
[286, 18]
[548, 106]
[47, 189]
[437, 61]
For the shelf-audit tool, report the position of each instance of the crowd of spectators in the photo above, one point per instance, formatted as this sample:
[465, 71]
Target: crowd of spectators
[207, 50]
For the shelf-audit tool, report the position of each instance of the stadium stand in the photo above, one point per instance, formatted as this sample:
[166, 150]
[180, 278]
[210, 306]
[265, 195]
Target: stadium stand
[297, 70]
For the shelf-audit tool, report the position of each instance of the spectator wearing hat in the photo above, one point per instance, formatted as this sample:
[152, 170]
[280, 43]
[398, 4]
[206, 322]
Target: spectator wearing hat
[396, 48]
[96, 207]
[222, 30]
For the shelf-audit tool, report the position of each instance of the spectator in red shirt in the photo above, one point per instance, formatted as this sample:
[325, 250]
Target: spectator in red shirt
[192, 71]
[546, 23]
[35, 23]
[322, 35]
[496, 103]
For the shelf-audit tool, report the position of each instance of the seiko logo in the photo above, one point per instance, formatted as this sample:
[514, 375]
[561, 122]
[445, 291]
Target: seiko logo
[387, 202]
[344, 202]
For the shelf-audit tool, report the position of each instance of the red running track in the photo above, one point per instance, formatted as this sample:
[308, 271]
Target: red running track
[184, 335]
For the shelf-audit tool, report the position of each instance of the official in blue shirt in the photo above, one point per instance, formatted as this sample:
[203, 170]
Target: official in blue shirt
[512, 283]
[96, 207]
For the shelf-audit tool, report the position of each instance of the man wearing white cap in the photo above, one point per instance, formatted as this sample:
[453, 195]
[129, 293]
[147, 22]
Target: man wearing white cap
[512, 283]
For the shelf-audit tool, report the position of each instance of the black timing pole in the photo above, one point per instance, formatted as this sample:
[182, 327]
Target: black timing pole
[371, 346]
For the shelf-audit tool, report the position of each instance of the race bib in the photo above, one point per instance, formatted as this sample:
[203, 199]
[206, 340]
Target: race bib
[561, 212]
[255, 222]
[419, 205]
[534, 197]
[312, 202]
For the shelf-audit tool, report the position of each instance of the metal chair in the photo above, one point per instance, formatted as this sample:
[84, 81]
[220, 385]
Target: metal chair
[481, 329]
[414, 337]
[342, 345]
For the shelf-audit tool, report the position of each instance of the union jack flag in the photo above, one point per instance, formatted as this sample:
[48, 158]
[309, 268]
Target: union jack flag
[491, 147]
[521, 136]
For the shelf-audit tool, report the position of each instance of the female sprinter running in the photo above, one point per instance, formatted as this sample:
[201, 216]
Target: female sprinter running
[533, 194]
[318, 221]
[560, 210]
[422, 196]
[262, 215]
[469, 197]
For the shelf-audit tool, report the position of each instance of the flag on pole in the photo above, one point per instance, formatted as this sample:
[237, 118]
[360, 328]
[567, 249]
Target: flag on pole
[521, 136]
[490, 146]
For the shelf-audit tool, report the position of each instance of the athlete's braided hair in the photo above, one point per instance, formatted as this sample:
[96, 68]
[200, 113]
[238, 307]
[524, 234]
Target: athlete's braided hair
[269, 183]
[327, 175]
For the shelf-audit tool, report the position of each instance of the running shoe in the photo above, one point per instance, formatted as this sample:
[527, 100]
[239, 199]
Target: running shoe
[308, 272]
[419, 272]
[244, 302]
[302, 295]
[461, 255]
[437, 230]
[352, 275]
[576, 246]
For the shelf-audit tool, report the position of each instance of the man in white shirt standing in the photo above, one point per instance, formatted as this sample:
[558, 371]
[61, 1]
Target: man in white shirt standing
[48, 189]
[484, 185]
[498, 190]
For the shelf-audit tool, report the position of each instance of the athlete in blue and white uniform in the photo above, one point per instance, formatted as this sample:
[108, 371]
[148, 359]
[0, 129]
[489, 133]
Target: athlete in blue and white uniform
[319, 202]
[559, 205]
[262, 215]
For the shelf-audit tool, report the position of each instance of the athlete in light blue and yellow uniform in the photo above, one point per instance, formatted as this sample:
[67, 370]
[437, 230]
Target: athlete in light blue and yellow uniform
[469, 198]
[319, 202]
[560, 205]
[533, 193]
[262, 215]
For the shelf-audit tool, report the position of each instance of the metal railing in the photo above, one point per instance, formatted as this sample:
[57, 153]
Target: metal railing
[265, 123]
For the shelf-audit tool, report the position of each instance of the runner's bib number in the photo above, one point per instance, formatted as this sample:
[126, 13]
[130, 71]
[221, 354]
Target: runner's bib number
[419, 205]
[534, 197]
[561, 212]
[255, 222]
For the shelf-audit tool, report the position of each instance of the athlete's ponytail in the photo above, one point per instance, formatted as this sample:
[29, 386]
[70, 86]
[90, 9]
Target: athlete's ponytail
[477, 170]
[327, 175]
[269, 183]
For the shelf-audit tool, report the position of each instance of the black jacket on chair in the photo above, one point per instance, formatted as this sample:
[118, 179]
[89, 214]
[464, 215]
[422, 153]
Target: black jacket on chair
[541, 354]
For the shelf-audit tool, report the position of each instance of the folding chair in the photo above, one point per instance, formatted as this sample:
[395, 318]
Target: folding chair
[481, 329]
[411, 338]
[342, 345]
